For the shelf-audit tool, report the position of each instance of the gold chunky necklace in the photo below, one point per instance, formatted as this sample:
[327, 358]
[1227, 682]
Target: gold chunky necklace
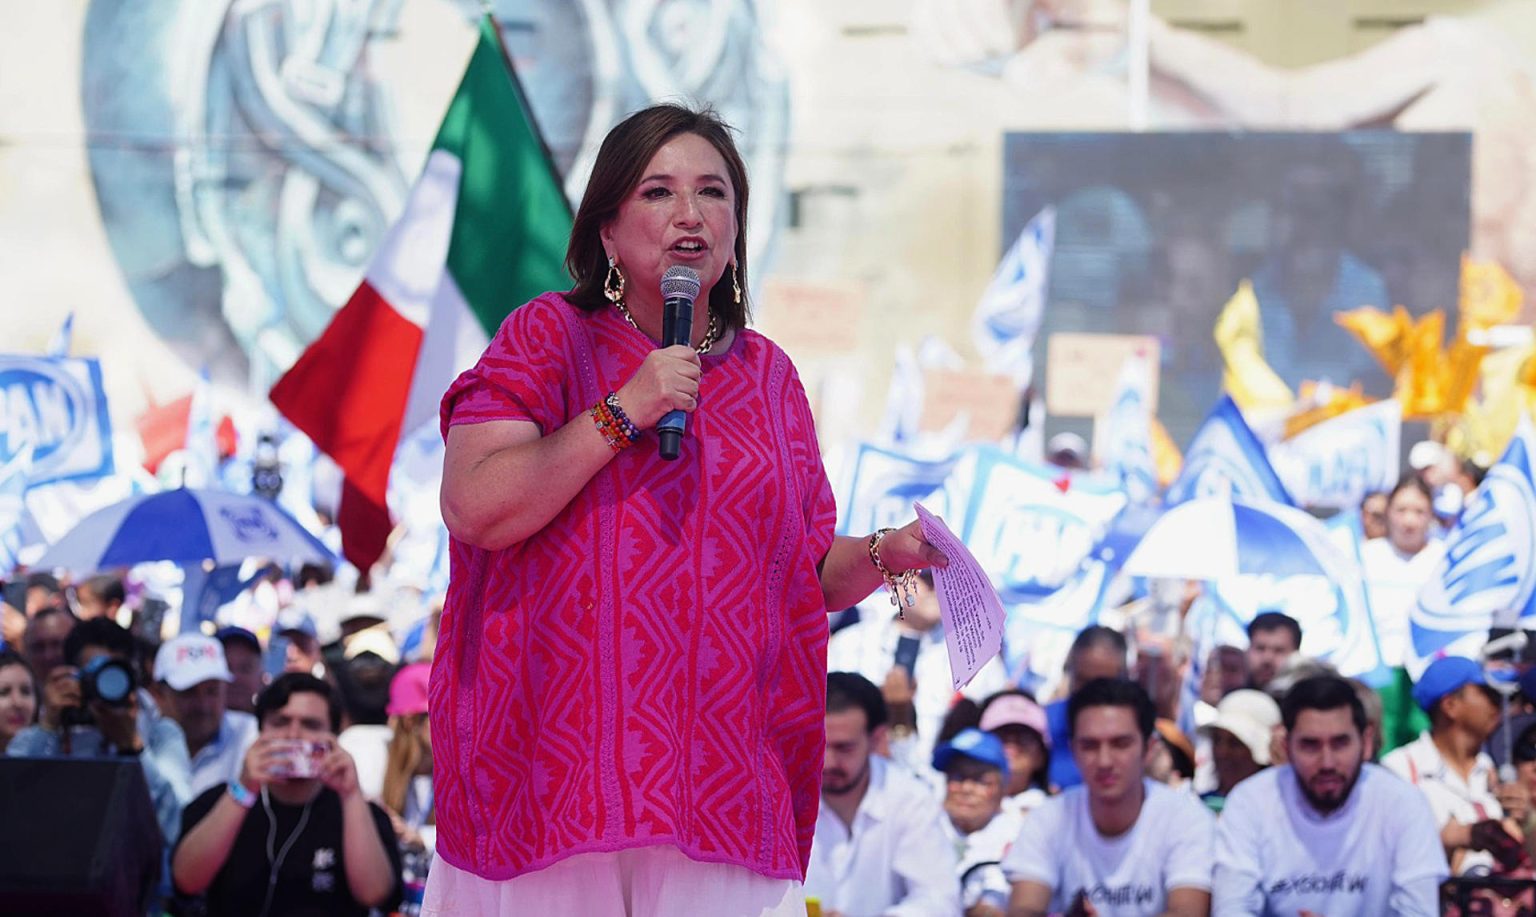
[711, 334]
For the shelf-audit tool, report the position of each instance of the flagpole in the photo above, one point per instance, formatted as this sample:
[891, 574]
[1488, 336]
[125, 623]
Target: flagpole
[522, 99]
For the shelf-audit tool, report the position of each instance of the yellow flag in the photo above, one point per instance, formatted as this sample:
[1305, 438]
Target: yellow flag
[1420, 385]
[1459, 372]
[1488, 422]
[1489, 296]
[1247, 376]
[1385, 336]
[1326, 402]
[1165, 455]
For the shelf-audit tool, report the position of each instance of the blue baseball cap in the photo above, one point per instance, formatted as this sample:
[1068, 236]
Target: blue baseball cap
[975, 744]
[238, 635]
[1445, 675]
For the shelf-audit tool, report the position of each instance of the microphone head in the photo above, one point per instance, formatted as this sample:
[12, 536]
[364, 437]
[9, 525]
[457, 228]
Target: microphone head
[679, 282]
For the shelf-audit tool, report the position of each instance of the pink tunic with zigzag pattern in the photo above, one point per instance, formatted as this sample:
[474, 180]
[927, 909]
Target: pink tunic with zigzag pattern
[650, 668]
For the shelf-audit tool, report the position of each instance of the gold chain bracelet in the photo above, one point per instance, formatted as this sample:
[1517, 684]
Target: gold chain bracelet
[902, 586]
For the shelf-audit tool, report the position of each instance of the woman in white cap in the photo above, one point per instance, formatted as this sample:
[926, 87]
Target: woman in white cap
[1240, 736]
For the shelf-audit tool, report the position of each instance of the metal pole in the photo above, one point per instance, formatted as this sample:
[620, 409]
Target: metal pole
[1139, 62]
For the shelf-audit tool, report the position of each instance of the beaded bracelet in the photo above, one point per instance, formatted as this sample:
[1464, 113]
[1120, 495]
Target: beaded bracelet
[899, 585]
[631, 431]
[609, 427]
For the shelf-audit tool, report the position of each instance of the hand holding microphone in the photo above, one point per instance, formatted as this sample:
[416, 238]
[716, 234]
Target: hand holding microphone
[679, 288]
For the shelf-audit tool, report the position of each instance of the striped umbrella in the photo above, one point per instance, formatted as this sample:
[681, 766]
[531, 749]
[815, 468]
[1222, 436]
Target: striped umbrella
[188, 527]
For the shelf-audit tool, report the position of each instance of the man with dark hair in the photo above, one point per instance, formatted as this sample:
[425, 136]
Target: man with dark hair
[1448, 765]
[243, 653]
[294, 834]
[1327, 833]
[1121, 843]
[879, 846]
[907, 657]
[100, 597]
[1096, 652]
[1273, 638]
[71, 725]
[43, 641]
[43, 591]
[364, 682]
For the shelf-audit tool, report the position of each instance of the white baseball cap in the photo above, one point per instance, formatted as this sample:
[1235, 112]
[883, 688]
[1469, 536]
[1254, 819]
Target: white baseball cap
[1251, 716]
[189, 660]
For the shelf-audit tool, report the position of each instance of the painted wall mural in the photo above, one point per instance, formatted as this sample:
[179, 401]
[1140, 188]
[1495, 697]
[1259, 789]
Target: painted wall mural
[247, 159]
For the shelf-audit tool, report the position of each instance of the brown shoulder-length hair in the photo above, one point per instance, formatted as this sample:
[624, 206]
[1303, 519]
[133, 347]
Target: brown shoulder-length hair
[620, 165]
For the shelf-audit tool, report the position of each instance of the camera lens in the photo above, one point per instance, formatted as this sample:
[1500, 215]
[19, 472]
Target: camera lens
[114, 684]
[108, 680]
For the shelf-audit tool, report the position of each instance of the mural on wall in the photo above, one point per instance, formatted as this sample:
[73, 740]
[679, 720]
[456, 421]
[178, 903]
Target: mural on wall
[246, 161]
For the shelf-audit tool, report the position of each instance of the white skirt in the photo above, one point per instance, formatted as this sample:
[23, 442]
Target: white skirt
[657, 881]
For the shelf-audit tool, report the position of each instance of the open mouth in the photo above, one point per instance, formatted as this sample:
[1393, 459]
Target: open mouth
[689, 247]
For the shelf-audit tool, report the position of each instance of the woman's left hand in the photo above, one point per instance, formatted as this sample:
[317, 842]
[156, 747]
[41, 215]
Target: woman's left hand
[907, 549]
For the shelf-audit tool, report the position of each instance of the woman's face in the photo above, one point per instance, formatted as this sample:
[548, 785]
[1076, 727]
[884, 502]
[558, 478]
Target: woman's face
[18, 702]
[1408, 520]
[683, 212]
[1025, 753]
[973, 794]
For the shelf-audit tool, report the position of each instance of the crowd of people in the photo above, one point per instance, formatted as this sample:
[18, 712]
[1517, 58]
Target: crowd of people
[1271, 786]
[290, 770]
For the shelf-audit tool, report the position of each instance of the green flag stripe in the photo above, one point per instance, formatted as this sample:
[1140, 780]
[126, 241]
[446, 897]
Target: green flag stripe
[513, 221]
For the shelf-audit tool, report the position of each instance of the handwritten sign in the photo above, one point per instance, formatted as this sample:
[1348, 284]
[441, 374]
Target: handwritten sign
[972, 612]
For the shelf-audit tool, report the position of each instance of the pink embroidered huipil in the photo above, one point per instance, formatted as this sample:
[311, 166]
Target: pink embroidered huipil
[650, 667]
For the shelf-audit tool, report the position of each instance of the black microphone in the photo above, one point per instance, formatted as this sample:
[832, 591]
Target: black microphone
[679, 288]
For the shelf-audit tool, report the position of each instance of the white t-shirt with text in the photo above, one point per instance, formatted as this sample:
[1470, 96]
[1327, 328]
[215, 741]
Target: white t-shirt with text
[1170, 846]
[1377, 854]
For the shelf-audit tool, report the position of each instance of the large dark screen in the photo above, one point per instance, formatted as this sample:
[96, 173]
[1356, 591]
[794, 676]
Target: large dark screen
[1155, 231]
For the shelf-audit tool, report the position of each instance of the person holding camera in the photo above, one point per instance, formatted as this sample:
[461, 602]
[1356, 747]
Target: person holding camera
[93, 706]
[294, 834]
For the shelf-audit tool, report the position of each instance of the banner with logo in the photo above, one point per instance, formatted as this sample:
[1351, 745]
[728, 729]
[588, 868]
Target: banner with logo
[13, 507]
[1488, 576]
[1336, 463]
[1225, 458]
[881, 486]
[57, 407]
[1030, 528]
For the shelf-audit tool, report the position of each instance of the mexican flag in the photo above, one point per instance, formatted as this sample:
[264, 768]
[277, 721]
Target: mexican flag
[483, 231]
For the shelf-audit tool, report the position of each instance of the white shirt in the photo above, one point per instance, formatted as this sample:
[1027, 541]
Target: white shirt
[220, 761]
[1169, 847]
[369, 747]
[869, 649]
[1379, 853]
[894, 862]
[1450, 797]
[981, 854]
[1392, 583]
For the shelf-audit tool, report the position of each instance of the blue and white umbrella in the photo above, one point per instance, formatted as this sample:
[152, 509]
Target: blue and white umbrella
[1213, 538]
[188, 527]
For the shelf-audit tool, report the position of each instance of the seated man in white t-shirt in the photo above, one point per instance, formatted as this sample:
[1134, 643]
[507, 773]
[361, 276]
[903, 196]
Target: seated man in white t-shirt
[1327, 833]
[1120, 843]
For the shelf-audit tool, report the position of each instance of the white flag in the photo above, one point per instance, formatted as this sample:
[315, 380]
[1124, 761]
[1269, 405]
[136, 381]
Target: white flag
[1009, 314]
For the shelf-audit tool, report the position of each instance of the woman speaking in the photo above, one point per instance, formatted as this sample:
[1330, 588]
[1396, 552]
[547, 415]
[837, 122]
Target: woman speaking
[628, 697]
